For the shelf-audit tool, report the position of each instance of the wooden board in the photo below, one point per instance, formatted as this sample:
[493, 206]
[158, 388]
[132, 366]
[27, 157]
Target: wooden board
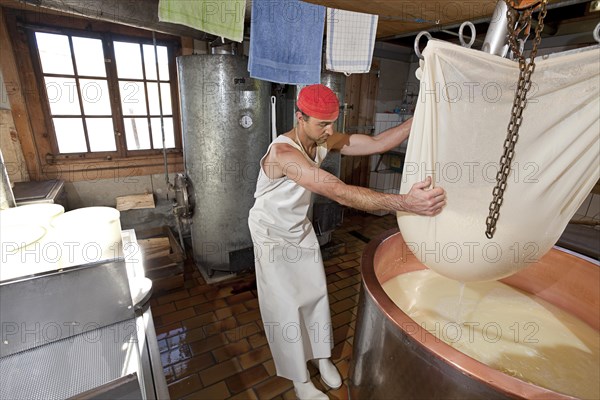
[135, 201]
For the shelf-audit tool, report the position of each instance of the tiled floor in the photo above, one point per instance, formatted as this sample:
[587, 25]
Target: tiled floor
[211, 337]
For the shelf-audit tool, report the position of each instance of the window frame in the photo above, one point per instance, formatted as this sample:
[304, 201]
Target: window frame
[118, 118]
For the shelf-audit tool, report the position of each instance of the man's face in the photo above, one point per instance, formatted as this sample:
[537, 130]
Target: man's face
[317, 129]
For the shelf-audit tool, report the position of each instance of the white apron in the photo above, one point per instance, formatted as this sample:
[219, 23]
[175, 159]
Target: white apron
[290, 276]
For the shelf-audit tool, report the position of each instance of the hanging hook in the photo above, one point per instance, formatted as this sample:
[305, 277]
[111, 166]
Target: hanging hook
[417, 51]
[462, 38]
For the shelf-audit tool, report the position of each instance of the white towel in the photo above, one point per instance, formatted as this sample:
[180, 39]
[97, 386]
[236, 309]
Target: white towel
[350, 41]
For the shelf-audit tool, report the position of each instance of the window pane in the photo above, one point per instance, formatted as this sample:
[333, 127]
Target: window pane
[157, 134]
[149, 61]
[101, 134]
[165, 91]
[163, 63]
[129, 60]
[94, 93]
[133, 98]
[55, 53]
[62, 96]
[136, 133]
[89, 56]
[153, 98]
[69, 135]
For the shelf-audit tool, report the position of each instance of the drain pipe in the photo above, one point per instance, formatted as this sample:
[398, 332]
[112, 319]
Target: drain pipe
[495, 41]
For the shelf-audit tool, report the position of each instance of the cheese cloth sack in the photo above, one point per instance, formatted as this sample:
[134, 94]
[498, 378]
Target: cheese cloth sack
[457, 137]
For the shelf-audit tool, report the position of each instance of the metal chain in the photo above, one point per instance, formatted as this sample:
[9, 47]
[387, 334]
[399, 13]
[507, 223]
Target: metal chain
[515, 25]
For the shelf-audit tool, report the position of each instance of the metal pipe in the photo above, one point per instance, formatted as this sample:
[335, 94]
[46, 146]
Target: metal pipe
[495, 41]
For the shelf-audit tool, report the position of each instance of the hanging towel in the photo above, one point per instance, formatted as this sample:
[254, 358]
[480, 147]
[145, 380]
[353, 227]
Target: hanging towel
[286, 41]
[350, 41]
[224, 18]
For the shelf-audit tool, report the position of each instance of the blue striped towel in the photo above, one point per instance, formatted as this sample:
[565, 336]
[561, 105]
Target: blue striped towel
[286, 41]
[350, 41]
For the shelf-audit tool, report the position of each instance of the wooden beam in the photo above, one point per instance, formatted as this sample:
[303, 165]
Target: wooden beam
[138, 13]
[16, 97]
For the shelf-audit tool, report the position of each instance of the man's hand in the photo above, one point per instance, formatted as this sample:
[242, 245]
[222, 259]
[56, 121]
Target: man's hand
[424, 201]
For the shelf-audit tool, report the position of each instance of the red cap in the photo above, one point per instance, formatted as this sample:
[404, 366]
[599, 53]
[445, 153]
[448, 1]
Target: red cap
[319, 101]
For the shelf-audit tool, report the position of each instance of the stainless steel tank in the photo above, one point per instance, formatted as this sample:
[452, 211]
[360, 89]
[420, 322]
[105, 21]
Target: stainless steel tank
[326, 213]
[394, 356]
[225, 122]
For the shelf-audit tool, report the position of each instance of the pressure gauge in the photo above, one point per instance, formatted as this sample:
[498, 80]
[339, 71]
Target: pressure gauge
[246, 121]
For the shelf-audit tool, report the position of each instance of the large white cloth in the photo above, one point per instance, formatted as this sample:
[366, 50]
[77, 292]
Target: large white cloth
[457, 137]
[290, 277]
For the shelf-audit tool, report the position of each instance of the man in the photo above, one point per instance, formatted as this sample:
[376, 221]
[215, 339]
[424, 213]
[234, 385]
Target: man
[290, 276]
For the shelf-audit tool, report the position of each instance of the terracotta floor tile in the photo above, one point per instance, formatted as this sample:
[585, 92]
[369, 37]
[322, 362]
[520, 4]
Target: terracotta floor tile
[210, 306]
[245, 395]
[351, 256]
[349, 264]
[220, 326]
[270, 367]
[230, 311]
[190, 301]
[177, 316]
[231, 350]
[242, 332]
[339, 394]
[200, 321]
[340, 334]
[341, 319]
[165, 331]
[255, 356]
[342, 350]
[247, 317]
[344, 283]
[343, 305]
[171, 297]
[185, 386]
[208, 344]
[188, 336]
[257, 340]
[220, 371]
[175, 355]
[344, 293]
[169, 374]
[240, 298]
[247, 379]
[289, 395]
[216, 391]
[252, 304]
[343, 367]
[272, 387]
[345, 273]
[193, 365]
[163, 309]
[219, 293]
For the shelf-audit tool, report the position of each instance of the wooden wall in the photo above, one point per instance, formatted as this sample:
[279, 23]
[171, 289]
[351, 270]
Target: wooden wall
[360, 97]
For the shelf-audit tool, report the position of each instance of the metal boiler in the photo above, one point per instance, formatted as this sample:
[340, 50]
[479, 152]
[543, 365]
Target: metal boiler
[326, 213]
[225, 122]
[412, 362]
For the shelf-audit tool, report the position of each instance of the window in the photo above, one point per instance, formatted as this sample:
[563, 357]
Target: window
[107, 95]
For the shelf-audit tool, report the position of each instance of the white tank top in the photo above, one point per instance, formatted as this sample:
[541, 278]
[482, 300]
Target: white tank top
[281, 206]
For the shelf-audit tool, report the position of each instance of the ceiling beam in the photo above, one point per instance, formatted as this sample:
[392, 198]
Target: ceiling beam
[137, 13]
